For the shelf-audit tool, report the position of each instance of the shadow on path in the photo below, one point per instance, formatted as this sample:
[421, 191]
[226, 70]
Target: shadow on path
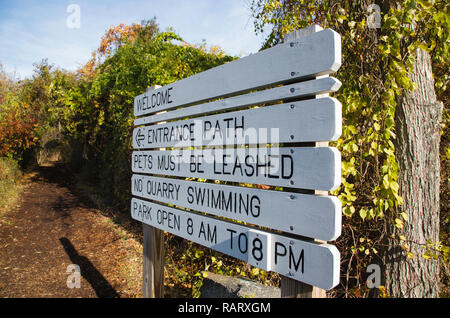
[100, 285]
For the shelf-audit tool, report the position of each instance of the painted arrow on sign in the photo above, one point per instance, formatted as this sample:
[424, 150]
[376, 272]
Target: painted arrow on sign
[139, 137]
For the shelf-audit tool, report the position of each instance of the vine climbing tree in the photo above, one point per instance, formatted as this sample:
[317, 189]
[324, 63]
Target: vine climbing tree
[391, 132]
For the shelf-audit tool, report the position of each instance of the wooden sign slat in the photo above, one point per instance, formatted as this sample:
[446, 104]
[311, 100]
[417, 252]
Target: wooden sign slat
[313, 55]
[306, 261]
[309, 120]
[308, 215]
[287, 92]
[316, 168]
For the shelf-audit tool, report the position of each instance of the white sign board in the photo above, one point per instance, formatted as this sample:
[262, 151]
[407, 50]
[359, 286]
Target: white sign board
[251, 124]
[305, 89]
[309, 215]
[295, 167]
[309, 120]
[311, 56]
[312, 263]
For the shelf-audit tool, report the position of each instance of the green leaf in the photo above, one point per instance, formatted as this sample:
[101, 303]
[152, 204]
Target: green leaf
[363, 213]
[404, 216]
[398, 223]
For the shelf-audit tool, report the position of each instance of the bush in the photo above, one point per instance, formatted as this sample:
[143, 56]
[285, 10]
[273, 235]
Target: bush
[10, 175]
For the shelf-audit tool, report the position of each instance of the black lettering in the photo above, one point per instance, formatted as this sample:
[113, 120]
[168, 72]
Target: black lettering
[249, 165]
[217, 130]
[255, 207]
[190, 226]
[202, 231]
[138, 185]
[208, 235]
[224, 164]
[301, 259]
[176, 222]
[257, 251]
[190, 198]
[172, 163]
[231, 237]
[153, 101]
[227, 120]
[159, 217]
[242, 203]
[142, 103]
[237, 164]
[164, 191]
[240, 245]
[150, 162]
[192, 165]
[283, 166]
[164, 98]
[206, 129]
[166, 134]
[161, 163]
[200, 196]
[169, 101]
[215, 201]
[212, 236]
[214, 166]
[227, 204]
[236, 126]
[277, 253]
[191, 131]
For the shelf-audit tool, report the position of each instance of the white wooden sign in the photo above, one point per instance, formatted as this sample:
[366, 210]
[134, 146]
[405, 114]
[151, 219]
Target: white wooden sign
[295, 167]
[312, 263]
[253, 121]
[309, 88]
[309, 215]
[309, 120]
[311, 56]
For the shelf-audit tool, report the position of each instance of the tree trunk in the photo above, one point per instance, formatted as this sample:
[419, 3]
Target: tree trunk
[418, 116]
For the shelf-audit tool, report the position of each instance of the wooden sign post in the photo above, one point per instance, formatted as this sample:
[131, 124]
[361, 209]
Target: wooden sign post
[153, 259]
[265, 119]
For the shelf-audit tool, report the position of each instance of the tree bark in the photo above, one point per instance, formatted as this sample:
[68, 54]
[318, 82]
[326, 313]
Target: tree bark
[418, 117]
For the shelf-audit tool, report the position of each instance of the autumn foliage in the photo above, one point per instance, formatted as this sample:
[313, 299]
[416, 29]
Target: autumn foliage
[89, 112]
[116, 36]
[16, 133]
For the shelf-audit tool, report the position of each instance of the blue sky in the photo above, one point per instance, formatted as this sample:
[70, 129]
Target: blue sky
[33, 30]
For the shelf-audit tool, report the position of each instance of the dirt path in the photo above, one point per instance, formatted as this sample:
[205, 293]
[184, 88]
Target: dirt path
[52, 228]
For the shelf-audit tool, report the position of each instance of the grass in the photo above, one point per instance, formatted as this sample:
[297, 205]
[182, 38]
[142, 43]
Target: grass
[10, 184]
